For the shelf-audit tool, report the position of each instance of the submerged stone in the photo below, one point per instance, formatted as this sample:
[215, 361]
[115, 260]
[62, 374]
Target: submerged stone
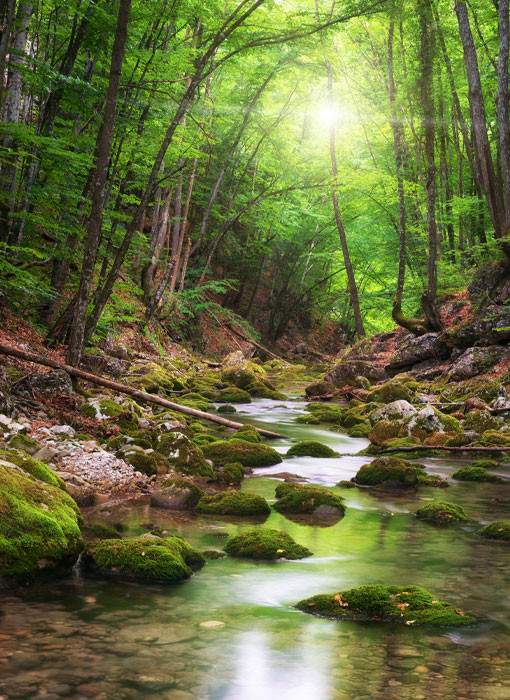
[441, 513]
[297, 498]
[310, 448]
[247, 453]
[498, 530]
[265, 543]
[406, 605]
[475, 474]
[148, 558]
[233, 503]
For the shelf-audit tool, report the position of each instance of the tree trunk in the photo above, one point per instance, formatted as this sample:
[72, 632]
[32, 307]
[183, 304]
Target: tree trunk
[351, 279]
[503, 111]
[99, 177]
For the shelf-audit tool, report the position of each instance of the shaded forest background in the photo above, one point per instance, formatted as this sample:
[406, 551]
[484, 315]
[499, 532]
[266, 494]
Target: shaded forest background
[299, 169]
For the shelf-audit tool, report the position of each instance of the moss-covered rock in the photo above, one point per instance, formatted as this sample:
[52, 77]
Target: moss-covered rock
[407, 605]
[486, 464]
[226, 408]
[321, 388]
[265, 543]
[475, 474]
[232, 473]
[390, 472]
[315, 500]
[249, 454]
[184, 455]
[481, 421]
[240, 376]
[39, 525]
[249, 434]
[232, 394]
[498, 530]
[322, 413]
[176, 494]
[263, 390]
[385, 430]
[30, 465]
[148, 463]
[495, 438]
[441, 513]
[391, 391]
[310, 448]
[233, 503]
[148, 558]
[23, 442]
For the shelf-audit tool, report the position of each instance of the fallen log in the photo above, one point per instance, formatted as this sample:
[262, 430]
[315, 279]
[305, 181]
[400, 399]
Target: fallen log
[130, 391]
[445, 448]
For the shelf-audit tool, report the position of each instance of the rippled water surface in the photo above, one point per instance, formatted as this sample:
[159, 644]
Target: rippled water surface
[231, 632]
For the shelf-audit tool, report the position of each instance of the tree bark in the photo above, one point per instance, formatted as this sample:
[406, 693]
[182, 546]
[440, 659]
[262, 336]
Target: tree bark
[503, 110]
[351, 279]
[99, 178]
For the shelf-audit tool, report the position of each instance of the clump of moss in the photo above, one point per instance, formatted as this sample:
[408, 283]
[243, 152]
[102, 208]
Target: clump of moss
[184, 455]
[262, 390]
[407, 605]
[24, 443]
[322, 413]
[149, 463]
[176, 486]
[486, 464]
[310, 448]
[232, 473]
[480, 421]
[232, 394]
[264, 543]
[39, 525]
[297, 498]
[498, 530]
[383, 431]
[389, 471]
[391, 391]
[241, 376]
[248, 434]
[233, 503]
[495, 438]
[475, 474]
[226, 408]
[30, 465]
[441, 513]
[147, 558]
[248, 454]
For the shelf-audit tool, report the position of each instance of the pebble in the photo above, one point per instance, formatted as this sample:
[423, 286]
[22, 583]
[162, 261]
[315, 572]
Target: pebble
[212, 624]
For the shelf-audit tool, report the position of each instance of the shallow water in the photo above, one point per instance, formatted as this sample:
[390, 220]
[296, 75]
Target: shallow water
[83, 639]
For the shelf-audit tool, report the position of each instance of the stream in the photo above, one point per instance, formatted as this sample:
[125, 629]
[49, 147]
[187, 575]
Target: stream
[231, 632]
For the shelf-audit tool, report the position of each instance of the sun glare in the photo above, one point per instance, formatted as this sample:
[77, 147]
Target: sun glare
[328, 114]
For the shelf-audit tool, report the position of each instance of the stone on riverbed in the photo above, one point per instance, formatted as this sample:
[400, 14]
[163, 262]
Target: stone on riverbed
[176, 494]
[313, 500]
[39, 525]
[247, 453]
[394, 472]
[441, 513]
[148, 559]
[310, 448]
[498, 530]
[264, 543]
[233, 503]
[475, 474]
[405, 605]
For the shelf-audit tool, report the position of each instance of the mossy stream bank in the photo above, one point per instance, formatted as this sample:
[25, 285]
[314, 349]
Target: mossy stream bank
[232, 631]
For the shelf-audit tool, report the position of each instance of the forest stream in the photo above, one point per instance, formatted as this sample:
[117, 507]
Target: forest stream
[231, 633]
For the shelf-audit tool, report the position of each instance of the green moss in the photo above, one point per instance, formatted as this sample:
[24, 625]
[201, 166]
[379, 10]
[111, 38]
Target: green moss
[498, 530]
[384, 431]
[297, 498]
[323, 413]
[264, 543]
[408, 605]
[232, 394]
[146, 558]
[184, 455]
[261, 390]
[480, 421]
[450, 423]
[147, 462]
[195, 493]
[389, 471]
[310, 448]
[248, 434]
[475, 474]
[226, 408]
[486, 464]
[248, 454]
[495, 438]
[233, 503]
[230, 474]
[39, 525]
[241, 377]
[24, 443]
[441, 513]
[391, 391]
[32, 466]
[201, 440]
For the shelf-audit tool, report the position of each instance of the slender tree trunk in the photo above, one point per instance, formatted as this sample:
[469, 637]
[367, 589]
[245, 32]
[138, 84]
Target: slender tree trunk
[503, 111]
[7, 30]
[477, 107]
[99, 177]
[351, 279]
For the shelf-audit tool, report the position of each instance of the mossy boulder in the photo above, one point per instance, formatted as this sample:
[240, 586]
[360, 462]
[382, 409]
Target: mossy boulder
[184, 455]
[321, 388]
[232, 394]
[148, 463]
[226, 408]
[391, 391]
[406, 605]
[176, 494]
[155, 378]
[39, 525]
[441, 513]
[495, 438]
[233, 503]
[389, 472]
[249, 454]
[385, 430]
[103, 408]
[498, 530]
[475, 474]
[480, 422]
[32, 466]
[314, 500]
[148, 559]
[486, 464]
[248, 434]
[265, 543]
[310, 448]
[263, 390]
[232, 473]
[240, 376]
[23, 442]
[322, 413]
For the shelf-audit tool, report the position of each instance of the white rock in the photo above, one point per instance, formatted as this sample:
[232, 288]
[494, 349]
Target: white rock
[65, 430]
[393, 411]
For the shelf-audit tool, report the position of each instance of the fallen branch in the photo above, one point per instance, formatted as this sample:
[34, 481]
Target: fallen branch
[125, 389]
[446, 448]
